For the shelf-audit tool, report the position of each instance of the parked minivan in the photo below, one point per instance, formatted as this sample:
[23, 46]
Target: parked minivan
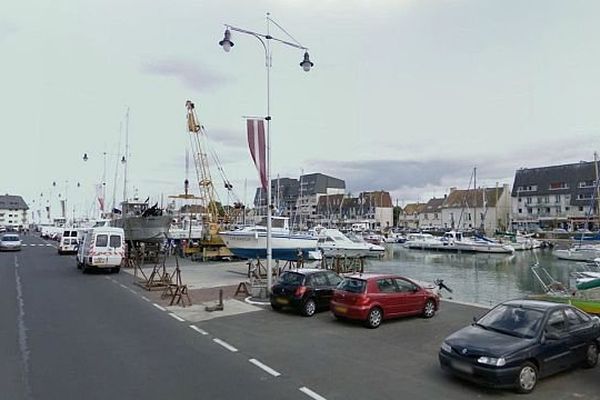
[102, 248]
[69, 242]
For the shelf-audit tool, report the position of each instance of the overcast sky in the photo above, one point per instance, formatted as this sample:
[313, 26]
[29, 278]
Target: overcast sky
[406, 95]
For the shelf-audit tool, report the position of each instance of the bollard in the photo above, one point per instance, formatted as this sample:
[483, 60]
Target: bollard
[219, 306]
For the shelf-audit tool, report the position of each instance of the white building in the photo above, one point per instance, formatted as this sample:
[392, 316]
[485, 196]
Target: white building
[13, 212]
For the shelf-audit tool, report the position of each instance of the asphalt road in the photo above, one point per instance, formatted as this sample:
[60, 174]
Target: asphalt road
[66, 335]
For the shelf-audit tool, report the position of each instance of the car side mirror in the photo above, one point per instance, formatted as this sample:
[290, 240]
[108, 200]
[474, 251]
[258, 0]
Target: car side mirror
[551, 335]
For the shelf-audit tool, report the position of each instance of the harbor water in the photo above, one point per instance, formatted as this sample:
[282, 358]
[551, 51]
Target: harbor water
[480, 278]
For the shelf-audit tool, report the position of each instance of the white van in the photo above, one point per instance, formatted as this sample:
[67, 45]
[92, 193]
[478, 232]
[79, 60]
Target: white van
[101, 248]
[69, 242]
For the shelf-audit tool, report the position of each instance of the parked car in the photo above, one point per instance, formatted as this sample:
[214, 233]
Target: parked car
[373, 298]
[306, 290]
[519, 341]
[10, 242]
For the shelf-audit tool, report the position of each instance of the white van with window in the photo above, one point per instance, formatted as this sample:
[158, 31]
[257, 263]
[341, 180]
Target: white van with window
[69, 242]
[103, 248]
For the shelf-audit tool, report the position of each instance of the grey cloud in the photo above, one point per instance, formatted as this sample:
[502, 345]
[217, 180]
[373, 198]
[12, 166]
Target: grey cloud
[190, 74]
[228, 137]
[7, 29]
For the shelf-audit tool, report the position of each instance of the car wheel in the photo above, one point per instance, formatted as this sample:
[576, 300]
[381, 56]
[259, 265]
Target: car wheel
[309, 309]
[527, 378]
[116, 270]
[84, 268]
[374, 318]
[429, 309]
[591, 356]
[78, 264]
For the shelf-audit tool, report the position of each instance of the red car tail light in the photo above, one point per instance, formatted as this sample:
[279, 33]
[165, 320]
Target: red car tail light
[300, 290]
[361, 300]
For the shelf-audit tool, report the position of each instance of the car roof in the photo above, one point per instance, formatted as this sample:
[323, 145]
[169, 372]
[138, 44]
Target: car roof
[307, 271]
[370, 276]
[540, 305]
[10, 235]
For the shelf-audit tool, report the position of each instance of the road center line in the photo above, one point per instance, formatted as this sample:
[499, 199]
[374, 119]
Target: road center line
[145, 298]
[123, 286]
[200, 331]
[311, 394]
[264, 367]
[177, 317]
[161, 308]
[225, 344]
[22, 333]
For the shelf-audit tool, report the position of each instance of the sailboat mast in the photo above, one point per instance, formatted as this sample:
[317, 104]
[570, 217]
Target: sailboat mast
[126, 156]
[597, 208]
[114, 191]
[475, 198]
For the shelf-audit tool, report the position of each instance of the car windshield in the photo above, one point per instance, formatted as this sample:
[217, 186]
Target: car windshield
[291, 278]
[352, 285]
[10, 239]
[513, 320]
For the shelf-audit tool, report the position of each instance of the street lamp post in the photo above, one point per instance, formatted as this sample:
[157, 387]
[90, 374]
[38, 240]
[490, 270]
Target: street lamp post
[306, 65]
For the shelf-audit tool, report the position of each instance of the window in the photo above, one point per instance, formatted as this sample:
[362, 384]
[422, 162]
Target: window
[319, 280]
[291, 278]
[529, 188]
[558, 185]
[584, 196]
[520, 211]
[557, 322]
[580, 208]
[587, 184]
[548, 210]
[386, 285]
[404, 286]
[528, 200]
[529, 211]
[572, 317]
[115, 241]
[539, 200]
[567, 208]
[557, 198]
[519, 199]
[101, 240]
[546, 199]
[353, 285]
[333, 278]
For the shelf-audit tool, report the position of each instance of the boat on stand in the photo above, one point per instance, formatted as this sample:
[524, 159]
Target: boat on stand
[142, 223]
[251, 242]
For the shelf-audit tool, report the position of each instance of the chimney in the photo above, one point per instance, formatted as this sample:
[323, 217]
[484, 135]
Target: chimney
[452, 189]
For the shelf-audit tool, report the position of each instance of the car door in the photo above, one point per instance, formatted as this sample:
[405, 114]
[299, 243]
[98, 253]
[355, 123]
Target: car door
[580, 330]
[556, 354]
[114, 247]
[321, 289]
[387, 296]
[411, 299]
[333, 280]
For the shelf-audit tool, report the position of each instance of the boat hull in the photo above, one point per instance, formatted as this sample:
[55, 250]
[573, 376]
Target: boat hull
[145, 229]
[591, 306]
[251, 246]
[576, 255]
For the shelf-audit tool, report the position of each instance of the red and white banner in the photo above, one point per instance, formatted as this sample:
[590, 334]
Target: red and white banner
[258, 148]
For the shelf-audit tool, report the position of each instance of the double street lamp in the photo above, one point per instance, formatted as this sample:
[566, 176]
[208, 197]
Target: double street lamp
[306, 64]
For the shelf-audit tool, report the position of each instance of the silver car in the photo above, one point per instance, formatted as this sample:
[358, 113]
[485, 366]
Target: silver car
[10, 241]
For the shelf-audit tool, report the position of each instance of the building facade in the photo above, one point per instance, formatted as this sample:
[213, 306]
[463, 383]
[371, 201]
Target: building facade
[410, 216]
[373, 209]
[13, 212]
[560, 196]
[430, 215]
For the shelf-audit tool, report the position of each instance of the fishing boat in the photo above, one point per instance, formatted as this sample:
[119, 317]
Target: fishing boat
[141, 222]
[586, 299]
[421, 241]
[251, 242]
[334, 243]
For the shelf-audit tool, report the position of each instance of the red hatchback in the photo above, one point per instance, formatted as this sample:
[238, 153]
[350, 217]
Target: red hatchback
[373, 298]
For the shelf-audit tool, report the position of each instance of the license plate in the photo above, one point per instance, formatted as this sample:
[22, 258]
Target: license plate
[101, 260]
[281, 300]
[462, 367]
[342, 310]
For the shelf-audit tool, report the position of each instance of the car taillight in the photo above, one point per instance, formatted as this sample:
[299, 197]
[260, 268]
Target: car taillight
[361, 300]
[300, 290]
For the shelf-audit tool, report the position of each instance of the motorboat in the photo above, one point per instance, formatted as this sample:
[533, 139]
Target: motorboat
[583, 252]
[141, 222]
[421, 241]
[455, 241]
[251, 242]
[334, 243]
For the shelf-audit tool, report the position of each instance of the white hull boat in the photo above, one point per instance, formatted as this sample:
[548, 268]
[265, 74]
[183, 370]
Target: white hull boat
[334, 243]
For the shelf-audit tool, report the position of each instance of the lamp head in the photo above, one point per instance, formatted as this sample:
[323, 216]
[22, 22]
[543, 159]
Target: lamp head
[306, 64]
[85, 157]
[123, 161]
[226, 43]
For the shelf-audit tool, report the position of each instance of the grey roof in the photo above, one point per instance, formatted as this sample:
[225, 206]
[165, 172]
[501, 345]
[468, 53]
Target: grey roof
[543, 177]
[319, 183]
[434, 205]
[473, 198]
[12, 202]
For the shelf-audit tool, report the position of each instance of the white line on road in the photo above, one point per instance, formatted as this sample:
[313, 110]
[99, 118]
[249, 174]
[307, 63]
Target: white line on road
[200, 331]
[264, 367]
[225, 344]
[161, 308]
[145, 298]
[123, 286]
[132, 291]
[48, 245]
[177, 317]
[312, 394]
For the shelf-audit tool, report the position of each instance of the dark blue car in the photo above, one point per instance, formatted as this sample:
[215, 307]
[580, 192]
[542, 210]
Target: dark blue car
[519, 341]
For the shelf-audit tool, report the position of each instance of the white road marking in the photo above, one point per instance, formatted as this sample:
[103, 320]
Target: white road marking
[311, 394]
[225, 344]
[161, 308]
[132, 291]
[177, 317]
[200, 331]
[48, 245]
[22, 333]
[264, 367]
[145, 298]
[123, 286]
